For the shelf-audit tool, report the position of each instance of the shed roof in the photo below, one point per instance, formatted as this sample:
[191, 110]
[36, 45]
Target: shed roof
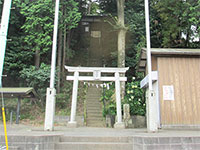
[24, 92]
[93, 18]
[165, 52]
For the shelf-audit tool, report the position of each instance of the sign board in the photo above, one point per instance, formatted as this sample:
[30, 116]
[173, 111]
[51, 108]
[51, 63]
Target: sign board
[96, 34]
[87, 29]
[168, 92]
[97, 74]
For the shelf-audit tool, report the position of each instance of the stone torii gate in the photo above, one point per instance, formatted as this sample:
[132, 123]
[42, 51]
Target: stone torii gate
[96, 77]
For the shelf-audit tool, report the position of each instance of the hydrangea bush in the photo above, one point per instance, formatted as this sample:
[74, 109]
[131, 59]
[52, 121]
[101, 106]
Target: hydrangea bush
[135, 98]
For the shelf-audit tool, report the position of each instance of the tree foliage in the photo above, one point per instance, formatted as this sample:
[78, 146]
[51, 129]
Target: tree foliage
[38, 25]
[108, 6]
[31, 30]
[70, 14]
[173, 24]
[180, 22]
[135, 98]
[37, 78]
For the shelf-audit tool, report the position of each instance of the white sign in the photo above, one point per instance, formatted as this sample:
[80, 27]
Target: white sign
[97, 74]
[168, 92]
[87, 29]
[96, 34]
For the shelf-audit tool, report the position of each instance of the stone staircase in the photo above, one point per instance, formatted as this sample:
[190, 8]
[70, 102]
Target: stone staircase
[94, 116]
[94, 143]
[96, 139]
[166, 143]
[28, 142]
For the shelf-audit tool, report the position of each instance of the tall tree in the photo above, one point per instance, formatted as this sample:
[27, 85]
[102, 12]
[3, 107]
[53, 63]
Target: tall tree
[121, 40]
[108, 6]
[69, 19]
[18, 55]
[121, 33]
[180, 22]
[38, 26]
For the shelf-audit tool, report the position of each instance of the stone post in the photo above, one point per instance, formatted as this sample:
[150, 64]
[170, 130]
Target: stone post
[50, 109]
[126, 108]
[72, 123]
[119, 123]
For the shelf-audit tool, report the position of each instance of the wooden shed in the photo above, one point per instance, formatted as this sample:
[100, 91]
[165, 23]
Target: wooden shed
[20, 93]
[176, 82]
[99, 38]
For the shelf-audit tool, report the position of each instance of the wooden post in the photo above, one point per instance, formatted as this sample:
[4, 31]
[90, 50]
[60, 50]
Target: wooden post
[72, 122]
[18, 110]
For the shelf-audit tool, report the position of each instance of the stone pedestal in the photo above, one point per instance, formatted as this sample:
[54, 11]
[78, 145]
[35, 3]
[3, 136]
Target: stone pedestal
[126, 108]
[72, 124]
[119, 125]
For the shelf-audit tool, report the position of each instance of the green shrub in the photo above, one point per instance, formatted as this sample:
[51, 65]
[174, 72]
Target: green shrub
[135, 98]
[37, 78]
[109, 101]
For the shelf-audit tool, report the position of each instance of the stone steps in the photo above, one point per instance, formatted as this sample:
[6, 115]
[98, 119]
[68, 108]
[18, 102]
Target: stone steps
[94, 108]
[166, 143]
[93, 100]
[100, 139]
[23, 142]
[97, 115]
[93, 143]
[10, 147]
[93, 146]
[95, 120]
[96, 125]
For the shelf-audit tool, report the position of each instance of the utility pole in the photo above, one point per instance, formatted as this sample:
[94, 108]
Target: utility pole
[3, 34]
[151, 101]
[51, 92]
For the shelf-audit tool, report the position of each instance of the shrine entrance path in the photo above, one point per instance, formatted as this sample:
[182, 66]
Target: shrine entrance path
[21, 137]
[90, 131]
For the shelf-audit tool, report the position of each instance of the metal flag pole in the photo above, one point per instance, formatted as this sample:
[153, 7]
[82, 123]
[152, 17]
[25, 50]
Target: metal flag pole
[151, 122]
[54, 46]
[51, 92]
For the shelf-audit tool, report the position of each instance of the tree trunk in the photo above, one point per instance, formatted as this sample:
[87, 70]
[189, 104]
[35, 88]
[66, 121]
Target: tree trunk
[37, 52]
[121, 48]
[64, 49]
[121, 41]
[89, 7]
[121, 33]
[59, 60]
[68, 44]
[37, 58]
